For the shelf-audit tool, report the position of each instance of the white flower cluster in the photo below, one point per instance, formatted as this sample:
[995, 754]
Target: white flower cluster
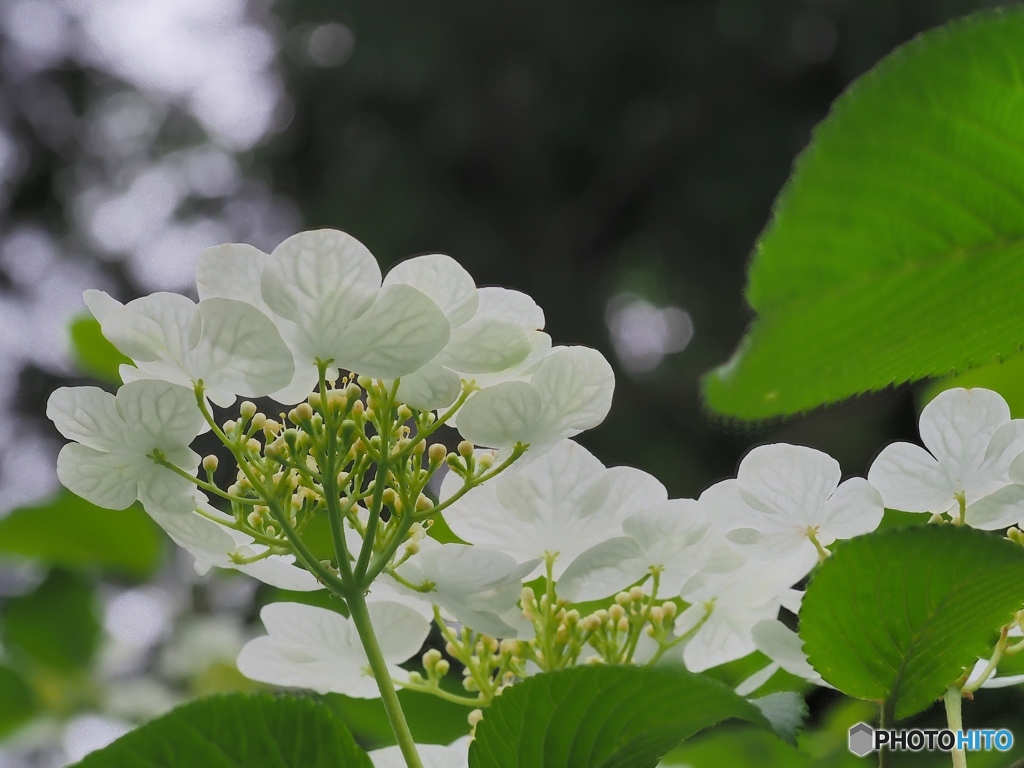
[698, 581]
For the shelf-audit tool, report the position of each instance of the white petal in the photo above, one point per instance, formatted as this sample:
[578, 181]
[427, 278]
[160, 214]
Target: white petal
[160, 415]
[756, 680]
[910, 479]
[432, 387]
[454, 755]
[789, 481]
[241, 349]
[100, 303]
[302, 384]
[602, 570]
[320, 279]
[88, 415]
[401, 631]
[231, 271]
[673, 535]
[502, 415]
[443, 280]
[511, 305]
[108, 480]
[716, 642]
[575, 386]
[783, 646]
[957, 426]
[401, 331]
[1006, 445]
[540, 348]
[280, 571]
[854, 509]
[998, 510]
[726, 508]
[161, 326]
[485, 345]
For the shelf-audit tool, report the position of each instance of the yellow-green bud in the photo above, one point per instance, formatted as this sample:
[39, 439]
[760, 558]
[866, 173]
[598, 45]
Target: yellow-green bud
[486, 460]
[314, 400]
[404, 412]
[669, 608]
[229, 426]
[254, 445]
[247, 409]
[616, 612]
[465, 449]
[441, 668]
[364, 381]
[622, 598]
[436, 453]
[259, 421]
[210, 463]
[636, 593]
[255, 519]
[657, 614]
[623, 624]
[527, 595]
[475, 717]
[431, 657]
[423, 503]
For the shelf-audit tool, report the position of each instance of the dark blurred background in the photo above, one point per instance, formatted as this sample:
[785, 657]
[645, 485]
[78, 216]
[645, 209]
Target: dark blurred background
[615, 160]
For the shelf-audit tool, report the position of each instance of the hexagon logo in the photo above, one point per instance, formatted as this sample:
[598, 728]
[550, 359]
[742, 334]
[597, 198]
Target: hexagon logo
[861, 739]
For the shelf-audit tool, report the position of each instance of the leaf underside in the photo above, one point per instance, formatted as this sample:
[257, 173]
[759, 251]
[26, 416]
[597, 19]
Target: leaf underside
[896, 250]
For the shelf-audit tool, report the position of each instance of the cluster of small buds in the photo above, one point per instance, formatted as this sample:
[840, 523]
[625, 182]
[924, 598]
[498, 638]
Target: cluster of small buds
[1015, 535]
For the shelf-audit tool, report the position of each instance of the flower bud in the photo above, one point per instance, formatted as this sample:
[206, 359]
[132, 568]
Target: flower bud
[404, 413]
[450, 649]
[210, 463]
[358, 409]
[636, 594]
[364, 381]
[436, 453]
[669, 608]
[622, 598]
[465, 449]
[486, 460]
[229, 426]
[527, 595]
[389, 496]
[623, 624]
[254, 445]
[255, 519]
[591, 623]
[572, 617]
[441, 668]
[423, 503]
[247, 409]
[475, 717]
[314, 400]
[657, 614]
[616, 612]
[431, 657]
[259, 421]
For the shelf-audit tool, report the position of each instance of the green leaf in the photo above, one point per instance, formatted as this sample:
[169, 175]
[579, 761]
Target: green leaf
[431, 720]
[785, 710]
[93, 353]
[601, 717]
[70, 532]
[737, 747]
[237, 731]
[896, 249]
[897, 615]
[56, 626]
[17, 702]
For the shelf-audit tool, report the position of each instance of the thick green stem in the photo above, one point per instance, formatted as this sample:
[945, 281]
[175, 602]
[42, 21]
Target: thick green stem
[379, 667]
[885, 721]
[952, 700]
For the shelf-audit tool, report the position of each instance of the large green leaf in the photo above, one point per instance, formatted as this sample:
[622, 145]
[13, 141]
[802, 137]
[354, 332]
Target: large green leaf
[93, 353]
[601, 717]
[237, 731]
[897, 615]
[56, 626]
[70, 532]
[895, 250]
[17, 702]
[431, 720]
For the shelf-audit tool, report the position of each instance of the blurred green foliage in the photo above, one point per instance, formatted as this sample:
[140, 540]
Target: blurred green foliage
[92, 352]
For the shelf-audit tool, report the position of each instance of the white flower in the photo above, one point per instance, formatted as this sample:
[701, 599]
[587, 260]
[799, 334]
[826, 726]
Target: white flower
[454, 755]
[569, 392]
[231, 346]
[323, 289]
[471, 584]
[785, 494]
[493, 330]
[108, 464]
[972, 441]
[733, 602]
[565, 501]
[319, 649]
[785, 648]
[673, 536]
[215, 546]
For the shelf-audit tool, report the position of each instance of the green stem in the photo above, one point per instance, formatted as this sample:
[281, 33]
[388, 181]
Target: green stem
[885, 721]
[952, 700]
[361, 618]
[380, 478]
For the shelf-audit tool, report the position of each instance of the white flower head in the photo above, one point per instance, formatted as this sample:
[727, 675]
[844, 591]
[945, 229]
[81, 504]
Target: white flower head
[493, 330]
[730, 605]
[454, 755]
[215, 546]
[109, 464]
[971, 443]
[232, 347]
[564, 502]
[472, 585]
[673, 536]
[783, 496]
[319, 649]
[323, 290]
[569, 391]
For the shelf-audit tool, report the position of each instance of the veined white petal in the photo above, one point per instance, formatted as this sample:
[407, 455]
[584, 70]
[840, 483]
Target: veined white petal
[241, 349]
[161, 326]
[910, 479]
[401, 331]
[432, 387]
[108, 480]
[485, 345]
[998, 510]
[602, 570]
[789, 480]
[443, 280]
[158, 414]
[502, 415]
[100, 303]
[511, 305]
[232, 271]
[958, 425]
[87, 415]
[576, 386]
[854, 509]
[675, 536]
